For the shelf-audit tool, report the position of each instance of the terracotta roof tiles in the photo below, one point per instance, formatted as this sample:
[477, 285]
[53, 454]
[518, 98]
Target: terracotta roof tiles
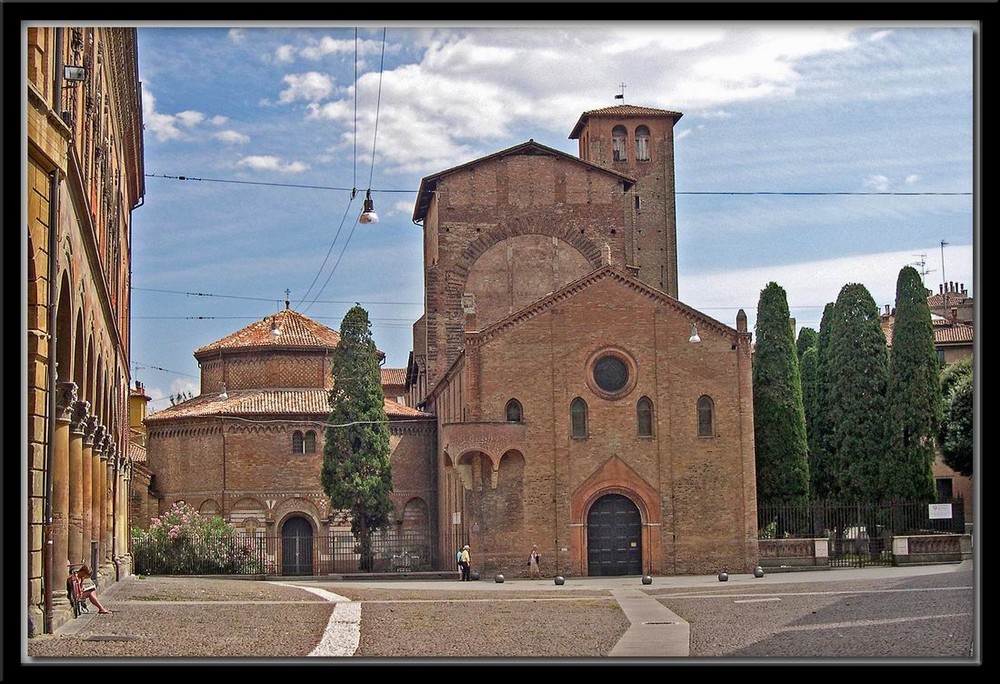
[296, 330]
[267, 402]
[393, 376]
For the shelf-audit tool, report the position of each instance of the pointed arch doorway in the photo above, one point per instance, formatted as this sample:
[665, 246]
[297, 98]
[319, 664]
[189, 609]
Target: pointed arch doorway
[614, 537]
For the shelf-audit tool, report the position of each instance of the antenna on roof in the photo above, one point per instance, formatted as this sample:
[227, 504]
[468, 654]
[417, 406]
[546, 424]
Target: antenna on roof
[287, 292]
[923, 267]
[621, 97]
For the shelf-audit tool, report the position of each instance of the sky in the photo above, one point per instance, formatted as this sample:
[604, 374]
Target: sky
[810, 154]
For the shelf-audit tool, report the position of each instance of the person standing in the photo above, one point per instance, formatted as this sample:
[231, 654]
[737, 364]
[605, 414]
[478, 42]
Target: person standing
[466, 563]
[458, 561]
[533, 560]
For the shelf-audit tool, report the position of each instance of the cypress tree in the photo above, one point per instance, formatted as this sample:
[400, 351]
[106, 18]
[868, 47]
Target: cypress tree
[913, 395]
[807, 338]
[357, 474]
[856, 373]
[823, 478]
[779, 420]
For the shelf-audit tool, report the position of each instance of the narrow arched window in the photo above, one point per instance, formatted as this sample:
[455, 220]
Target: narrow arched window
[297, 442]
[310, 443]
[513, 411]
[641, 143]
[644, 417]
[578, 417]
[619, 143]
[706, 417]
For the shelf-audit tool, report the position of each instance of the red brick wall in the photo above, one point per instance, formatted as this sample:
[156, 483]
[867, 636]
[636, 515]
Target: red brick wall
[696, 494]
[259, 465]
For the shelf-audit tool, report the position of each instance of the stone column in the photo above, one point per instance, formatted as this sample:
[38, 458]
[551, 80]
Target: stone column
[88, 484]
[100, 477]
[80, 411]
[60, 489]
[95, 485]
[109, 492]
[105, 545]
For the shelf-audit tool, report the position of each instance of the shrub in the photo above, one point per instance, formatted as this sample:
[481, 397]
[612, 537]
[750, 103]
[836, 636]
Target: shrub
[184, 542]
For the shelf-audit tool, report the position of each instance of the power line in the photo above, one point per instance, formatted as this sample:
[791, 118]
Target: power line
[786, 193]
[277, 185]
[270, 299]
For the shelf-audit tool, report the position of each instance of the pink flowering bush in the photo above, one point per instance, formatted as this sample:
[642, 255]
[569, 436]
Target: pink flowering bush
[182, 541]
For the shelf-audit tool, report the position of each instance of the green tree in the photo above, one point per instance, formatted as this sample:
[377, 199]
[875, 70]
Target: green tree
[357, 474]
[856, 373]
[955, 436]
[952, 373]
[779, 419]
[807, 338]
[823, 481]
[913, 395]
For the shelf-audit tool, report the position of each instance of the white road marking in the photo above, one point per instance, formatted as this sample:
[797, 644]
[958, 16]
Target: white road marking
[343, 631]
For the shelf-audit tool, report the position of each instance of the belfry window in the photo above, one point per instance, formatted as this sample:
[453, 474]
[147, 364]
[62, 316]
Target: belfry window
[578, 418]
[309, 443]
[641, 143]
[619, 144]
[297, 442]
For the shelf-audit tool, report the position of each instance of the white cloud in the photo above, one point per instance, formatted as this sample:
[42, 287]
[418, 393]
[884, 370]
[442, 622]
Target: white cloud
[190, 118]
[811, 285]
[272, 163]
[285, 53]
[234, 137]
[163, 126]
[877, 182]
[237, 35]
[311, 86]
[219, 120]
[912, 179]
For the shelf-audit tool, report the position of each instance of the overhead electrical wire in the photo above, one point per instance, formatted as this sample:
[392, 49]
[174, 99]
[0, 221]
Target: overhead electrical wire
[370, 176]
[788, 193]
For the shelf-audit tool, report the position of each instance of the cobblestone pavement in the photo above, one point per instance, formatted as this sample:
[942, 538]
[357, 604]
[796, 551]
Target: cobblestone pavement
[840, 615]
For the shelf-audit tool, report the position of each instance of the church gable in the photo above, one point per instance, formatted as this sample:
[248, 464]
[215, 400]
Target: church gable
[608, 289]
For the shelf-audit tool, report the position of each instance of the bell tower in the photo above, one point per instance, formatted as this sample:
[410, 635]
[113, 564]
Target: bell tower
[639, 142]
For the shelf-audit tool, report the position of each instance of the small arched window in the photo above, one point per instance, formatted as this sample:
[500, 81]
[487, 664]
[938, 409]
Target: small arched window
[310, 443]
[514, 412]
[641, 143]
[619, 143]
[297, 442]
[578, 418]
[644, 417]
[706, 417]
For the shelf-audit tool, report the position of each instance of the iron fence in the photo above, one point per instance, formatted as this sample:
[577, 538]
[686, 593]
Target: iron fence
[819, 519]
[298, 553]
[859, 534]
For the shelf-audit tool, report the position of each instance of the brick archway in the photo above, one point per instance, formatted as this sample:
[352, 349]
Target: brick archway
[616, 477]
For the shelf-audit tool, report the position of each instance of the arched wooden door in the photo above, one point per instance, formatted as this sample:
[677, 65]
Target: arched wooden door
[296, 547]
[614, 537]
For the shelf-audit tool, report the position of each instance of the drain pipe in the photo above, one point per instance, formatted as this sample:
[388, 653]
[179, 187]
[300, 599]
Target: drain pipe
[48, 562]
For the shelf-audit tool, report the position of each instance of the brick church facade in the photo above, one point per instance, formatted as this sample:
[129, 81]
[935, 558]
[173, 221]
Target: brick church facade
[558, 392]
[580, 405]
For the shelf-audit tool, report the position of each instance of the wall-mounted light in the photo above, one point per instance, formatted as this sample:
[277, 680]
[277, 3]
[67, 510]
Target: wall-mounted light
[74, 73]
[694, 339]
[368, 215]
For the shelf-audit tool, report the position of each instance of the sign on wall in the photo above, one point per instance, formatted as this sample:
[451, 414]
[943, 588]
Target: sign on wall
[939, 511]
